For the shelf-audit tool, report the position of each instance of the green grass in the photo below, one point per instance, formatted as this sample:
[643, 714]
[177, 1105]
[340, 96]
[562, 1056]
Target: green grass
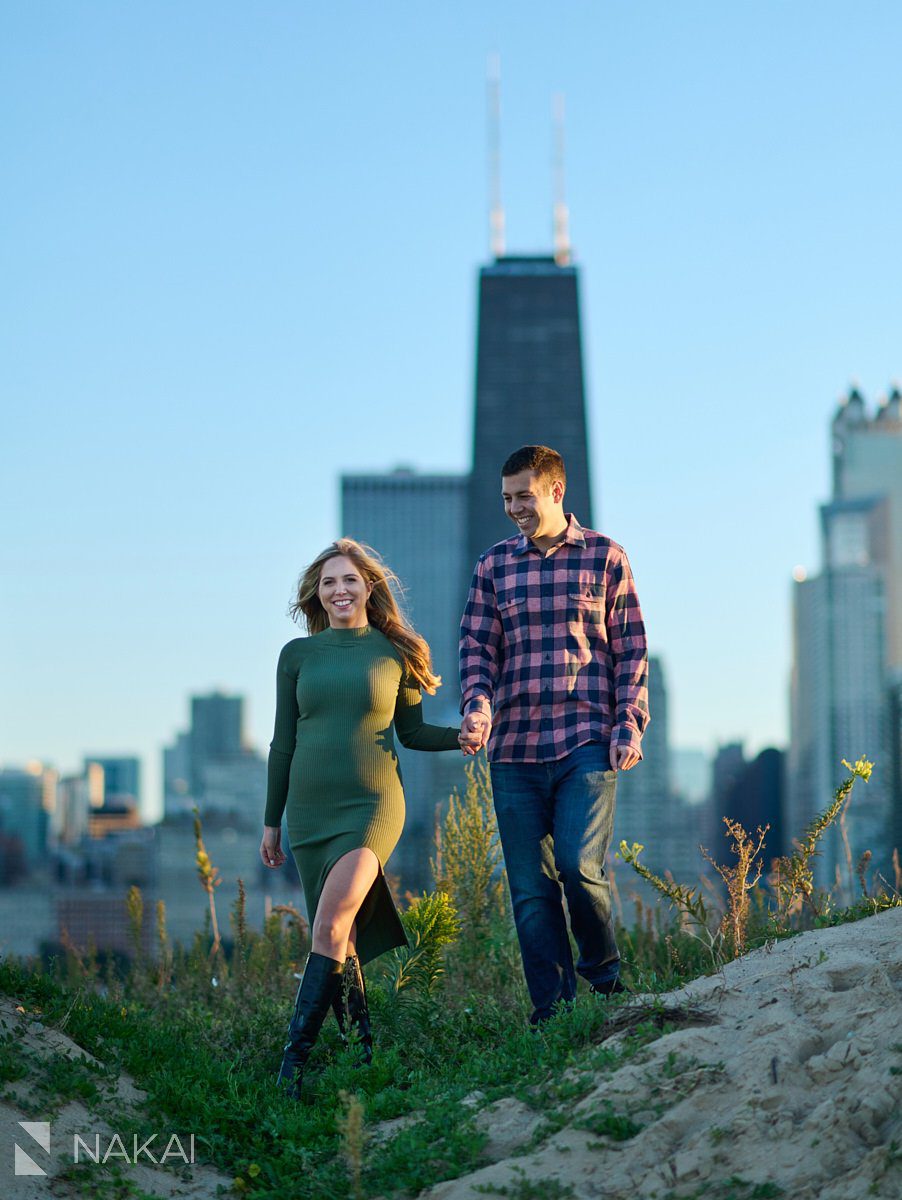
[209, 1067]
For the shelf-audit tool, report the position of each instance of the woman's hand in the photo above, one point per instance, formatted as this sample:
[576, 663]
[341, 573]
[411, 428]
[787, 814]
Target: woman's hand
[474, 732]
[271, 847]
[470, 743]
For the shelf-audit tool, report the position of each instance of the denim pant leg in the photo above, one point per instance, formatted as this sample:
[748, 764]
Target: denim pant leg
[584, 799]
[525, 811]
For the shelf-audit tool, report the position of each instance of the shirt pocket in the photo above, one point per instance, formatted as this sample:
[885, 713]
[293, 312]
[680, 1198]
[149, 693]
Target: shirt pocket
[512, 613]
[584, 605]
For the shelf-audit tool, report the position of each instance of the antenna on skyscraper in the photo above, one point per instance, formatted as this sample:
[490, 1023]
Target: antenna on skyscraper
[496, 212]
[561, 212]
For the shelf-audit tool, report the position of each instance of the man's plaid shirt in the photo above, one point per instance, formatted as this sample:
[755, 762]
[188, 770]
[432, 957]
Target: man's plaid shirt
[553, 647]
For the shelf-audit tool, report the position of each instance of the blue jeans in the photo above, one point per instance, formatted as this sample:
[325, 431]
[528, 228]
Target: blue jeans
[555, 820]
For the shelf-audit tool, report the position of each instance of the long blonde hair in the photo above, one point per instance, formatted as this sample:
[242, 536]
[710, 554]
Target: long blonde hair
[382, 609]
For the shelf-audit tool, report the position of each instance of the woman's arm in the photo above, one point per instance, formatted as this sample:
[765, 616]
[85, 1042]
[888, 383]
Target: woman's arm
[281, 748]
[413, 732]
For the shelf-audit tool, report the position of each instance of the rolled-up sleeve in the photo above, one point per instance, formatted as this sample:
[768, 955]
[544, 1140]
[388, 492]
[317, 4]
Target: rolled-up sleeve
[629, 650]
[480, 644]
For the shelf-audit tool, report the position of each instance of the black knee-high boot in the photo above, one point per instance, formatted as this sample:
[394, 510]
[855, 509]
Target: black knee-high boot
[318, 988]
[351, 1009]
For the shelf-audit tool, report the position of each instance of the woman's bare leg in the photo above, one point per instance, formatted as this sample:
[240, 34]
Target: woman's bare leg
[344, 891]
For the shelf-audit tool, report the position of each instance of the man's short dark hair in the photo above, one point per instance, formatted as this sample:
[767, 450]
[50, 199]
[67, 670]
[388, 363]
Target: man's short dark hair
[546, 463]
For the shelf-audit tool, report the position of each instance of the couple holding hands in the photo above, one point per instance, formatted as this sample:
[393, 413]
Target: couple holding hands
[554, 682]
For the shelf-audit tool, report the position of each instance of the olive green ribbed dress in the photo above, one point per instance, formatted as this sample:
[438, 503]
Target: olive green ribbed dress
[333, 769]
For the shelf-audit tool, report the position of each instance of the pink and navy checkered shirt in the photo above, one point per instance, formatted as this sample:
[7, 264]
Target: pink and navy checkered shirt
[553, 647]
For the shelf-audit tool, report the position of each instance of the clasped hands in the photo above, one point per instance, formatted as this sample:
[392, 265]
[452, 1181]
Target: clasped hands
[474, 732]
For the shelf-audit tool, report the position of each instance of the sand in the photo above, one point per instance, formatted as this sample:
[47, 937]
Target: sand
[62, 1176]
[794, 1084]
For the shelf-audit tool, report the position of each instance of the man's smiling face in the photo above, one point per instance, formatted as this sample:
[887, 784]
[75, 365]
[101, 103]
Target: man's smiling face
[533, 503]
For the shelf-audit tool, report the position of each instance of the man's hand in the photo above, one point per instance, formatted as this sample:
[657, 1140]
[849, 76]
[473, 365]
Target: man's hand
[474, 732]
[271, 847]
[623, 757]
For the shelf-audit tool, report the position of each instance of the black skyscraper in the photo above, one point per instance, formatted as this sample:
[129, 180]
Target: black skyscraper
[529, 386]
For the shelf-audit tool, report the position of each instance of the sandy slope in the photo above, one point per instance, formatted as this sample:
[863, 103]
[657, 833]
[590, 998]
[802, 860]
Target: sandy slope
[171, 1181]
[791, 1084]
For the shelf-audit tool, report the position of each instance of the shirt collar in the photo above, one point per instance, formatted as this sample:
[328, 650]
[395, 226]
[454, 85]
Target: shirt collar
[574, 536]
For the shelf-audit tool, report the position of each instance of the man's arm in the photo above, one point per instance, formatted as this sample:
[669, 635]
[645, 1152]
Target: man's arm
[480, 652]
[629, 649]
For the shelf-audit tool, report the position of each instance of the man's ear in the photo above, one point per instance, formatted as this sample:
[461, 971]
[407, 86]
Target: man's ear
[557, 491]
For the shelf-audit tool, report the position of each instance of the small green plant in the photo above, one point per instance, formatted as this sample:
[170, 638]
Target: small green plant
[523, 1188]
[468, 853]
[792, 877]
[606, 1122]
[431, 923]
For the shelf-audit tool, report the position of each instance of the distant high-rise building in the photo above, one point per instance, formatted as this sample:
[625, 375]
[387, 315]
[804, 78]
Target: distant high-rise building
[210, 765]
[27, 798]
[77, 797]
[894, 741]
[847, 642]
[867, 464]
[755, 799]
[216, 733]
[529, 386]
[177, 776]
[121, 778]
[417, 525]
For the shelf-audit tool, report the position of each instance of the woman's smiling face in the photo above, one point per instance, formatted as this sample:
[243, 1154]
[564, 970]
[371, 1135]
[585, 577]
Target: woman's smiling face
[343, 593]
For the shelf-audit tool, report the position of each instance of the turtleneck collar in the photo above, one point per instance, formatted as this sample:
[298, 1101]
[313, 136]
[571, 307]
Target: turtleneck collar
[347, 636]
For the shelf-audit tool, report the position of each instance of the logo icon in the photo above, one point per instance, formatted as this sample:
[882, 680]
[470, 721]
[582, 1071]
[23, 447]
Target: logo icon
[40, 1132]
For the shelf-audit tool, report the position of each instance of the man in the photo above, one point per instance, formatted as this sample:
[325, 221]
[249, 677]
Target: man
[554, 680]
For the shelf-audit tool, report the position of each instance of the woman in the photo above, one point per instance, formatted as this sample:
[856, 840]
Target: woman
[332, 762]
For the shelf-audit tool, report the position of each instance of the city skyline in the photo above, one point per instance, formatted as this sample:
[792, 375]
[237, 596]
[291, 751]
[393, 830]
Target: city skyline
[200, 338]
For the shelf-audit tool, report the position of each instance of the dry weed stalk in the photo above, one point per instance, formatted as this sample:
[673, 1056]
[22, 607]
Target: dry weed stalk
[73, 955]
[736, 880]
[164, 971]
[209, 878]
[861, 870]
[134, 907]
[239, 924]
[352, 1133]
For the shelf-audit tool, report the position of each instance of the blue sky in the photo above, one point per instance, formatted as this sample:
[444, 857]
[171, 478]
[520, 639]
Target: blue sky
[239, 255]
